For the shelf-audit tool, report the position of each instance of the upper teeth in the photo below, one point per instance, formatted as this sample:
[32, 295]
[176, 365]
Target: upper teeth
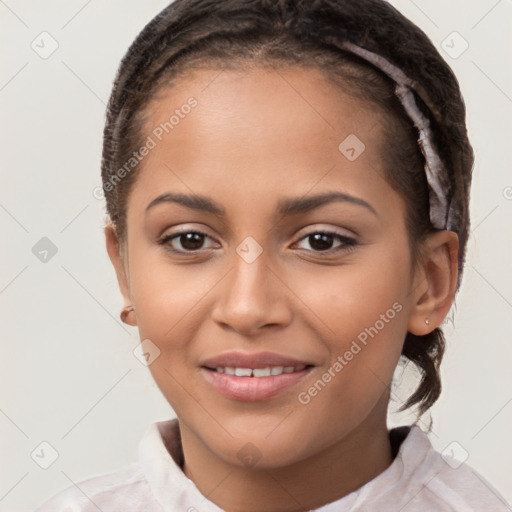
[260, 372]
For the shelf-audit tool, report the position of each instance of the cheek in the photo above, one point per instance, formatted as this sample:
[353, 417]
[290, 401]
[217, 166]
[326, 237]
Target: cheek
[364, 353]
[363, 311]
[349, 299]
[169, 301]
[172, 303]
[167, 296]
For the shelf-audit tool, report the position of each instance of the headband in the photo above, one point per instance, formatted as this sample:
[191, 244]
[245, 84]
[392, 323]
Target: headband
[441, 213]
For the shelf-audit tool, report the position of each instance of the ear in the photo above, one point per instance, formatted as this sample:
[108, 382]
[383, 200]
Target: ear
[120, 263]
[435, 282]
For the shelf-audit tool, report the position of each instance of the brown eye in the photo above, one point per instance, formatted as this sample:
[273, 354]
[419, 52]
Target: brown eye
[187, 241]
[321, 241]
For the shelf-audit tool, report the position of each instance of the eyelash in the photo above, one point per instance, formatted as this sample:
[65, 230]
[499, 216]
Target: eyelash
[347, 242]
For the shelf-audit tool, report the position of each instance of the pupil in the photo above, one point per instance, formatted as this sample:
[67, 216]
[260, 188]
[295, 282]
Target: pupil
[319, 241]
[192, 241]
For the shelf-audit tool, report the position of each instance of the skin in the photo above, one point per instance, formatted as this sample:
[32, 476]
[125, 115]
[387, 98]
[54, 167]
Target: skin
[255, 138]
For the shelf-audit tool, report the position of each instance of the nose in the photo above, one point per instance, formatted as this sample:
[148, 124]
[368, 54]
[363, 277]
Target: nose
[252, 296]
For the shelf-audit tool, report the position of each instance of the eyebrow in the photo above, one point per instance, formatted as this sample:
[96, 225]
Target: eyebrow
[286, 207]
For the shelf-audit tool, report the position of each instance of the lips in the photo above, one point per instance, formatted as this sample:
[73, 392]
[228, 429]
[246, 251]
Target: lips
[258, 372]
[256, 360]
[253, 377]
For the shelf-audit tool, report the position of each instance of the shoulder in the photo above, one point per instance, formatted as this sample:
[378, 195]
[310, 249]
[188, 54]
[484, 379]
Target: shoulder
[120, 490]
[460, 485]
[441, 480]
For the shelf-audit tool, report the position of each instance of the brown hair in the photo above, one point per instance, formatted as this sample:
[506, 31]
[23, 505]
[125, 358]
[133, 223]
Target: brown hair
[236, 34]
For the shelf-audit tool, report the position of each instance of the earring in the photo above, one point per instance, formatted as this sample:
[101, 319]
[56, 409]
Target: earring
[125, 312]
[427, 321]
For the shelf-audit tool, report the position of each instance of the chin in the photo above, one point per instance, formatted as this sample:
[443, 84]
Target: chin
[255, 454]
[261, 448]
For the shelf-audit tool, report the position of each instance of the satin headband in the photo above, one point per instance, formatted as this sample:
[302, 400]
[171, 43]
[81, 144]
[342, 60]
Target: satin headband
[441, 213]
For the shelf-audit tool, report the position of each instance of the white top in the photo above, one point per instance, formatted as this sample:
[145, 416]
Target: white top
[418, 480]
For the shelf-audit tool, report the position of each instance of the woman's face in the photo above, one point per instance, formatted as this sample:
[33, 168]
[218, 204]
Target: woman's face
[317, 290]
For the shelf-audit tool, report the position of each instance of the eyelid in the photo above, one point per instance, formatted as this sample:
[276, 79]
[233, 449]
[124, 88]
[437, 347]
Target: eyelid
[166, 238]
[348, 241]
[310, 230]
[324, 228]
[181, 229]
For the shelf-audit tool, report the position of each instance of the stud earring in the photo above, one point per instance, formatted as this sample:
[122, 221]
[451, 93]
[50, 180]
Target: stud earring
[125, 312]
[427, 321]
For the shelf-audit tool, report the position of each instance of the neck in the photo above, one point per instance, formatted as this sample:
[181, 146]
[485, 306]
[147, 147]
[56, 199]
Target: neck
[304, 485]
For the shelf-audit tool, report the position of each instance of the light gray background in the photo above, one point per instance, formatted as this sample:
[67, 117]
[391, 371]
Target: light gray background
[68, 374]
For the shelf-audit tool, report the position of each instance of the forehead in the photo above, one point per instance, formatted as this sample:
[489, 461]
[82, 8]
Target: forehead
[257, 132]
[267, 98]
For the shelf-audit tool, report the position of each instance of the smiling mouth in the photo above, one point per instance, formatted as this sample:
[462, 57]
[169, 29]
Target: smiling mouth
[268, 371]
[255, 384]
